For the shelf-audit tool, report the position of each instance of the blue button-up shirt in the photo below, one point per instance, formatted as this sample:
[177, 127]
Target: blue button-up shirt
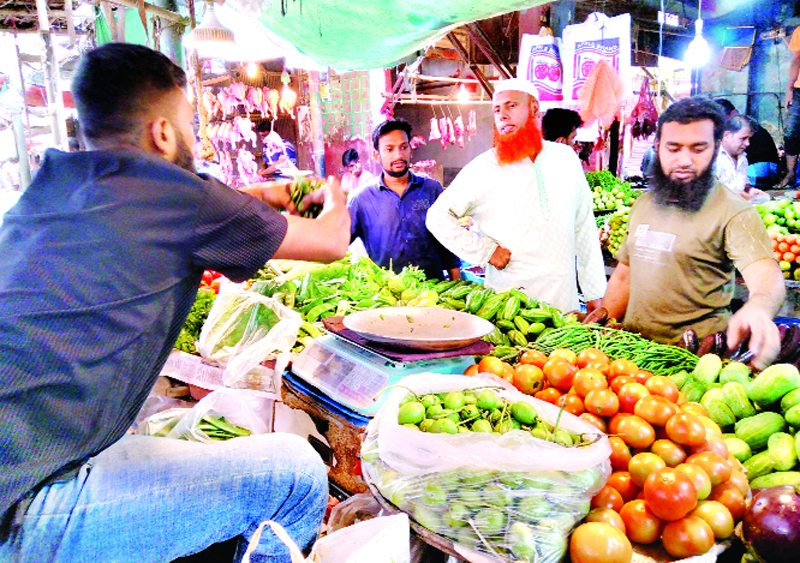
[392, 227]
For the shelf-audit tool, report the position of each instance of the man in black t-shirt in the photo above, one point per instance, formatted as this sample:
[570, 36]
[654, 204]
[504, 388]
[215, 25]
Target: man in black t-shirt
[102, 258]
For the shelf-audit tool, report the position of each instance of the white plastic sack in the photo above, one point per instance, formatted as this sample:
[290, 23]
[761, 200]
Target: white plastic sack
[385, 539]
[599, 37]
[410, 451]
[234, 338]
[249, 409]
[540, 64]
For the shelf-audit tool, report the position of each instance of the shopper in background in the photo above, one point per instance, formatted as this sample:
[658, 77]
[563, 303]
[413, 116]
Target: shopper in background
[561, 125]
[533, 206]
[791, 133]
[389, 214]
[762, 155]
[685, 237]
[355, 176]
[280, 158]
[731, 164]
[103, 256]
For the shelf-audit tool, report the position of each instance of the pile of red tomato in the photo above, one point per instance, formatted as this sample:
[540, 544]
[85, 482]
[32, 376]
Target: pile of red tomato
[673, 479]
[211, 279]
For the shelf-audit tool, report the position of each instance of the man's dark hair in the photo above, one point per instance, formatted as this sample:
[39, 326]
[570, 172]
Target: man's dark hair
[727, 107]
[350, 155]
[387, 127]
[115, 85]
[559, 122]
[735, 123]
[689, 110]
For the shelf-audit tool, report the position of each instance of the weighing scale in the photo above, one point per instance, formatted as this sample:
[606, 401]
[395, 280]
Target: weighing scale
[353, 375]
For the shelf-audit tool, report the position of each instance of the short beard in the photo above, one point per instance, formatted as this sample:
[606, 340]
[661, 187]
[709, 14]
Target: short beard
[394, 174]
[525, 143]
[184, 158]
[689, 196]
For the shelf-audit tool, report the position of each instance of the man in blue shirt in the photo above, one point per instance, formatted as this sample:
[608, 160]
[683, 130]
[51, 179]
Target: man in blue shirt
[389, 215]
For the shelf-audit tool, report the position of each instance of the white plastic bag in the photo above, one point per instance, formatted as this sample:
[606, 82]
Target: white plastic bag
[241, 407]
[509, 494]
[385, 539]
[540, 64]
[599, 37]
[237, 337]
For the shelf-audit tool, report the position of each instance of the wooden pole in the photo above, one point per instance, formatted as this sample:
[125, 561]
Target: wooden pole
[55, 98]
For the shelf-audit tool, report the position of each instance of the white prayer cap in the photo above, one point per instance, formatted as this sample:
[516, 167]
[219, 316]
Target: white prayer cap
[518, 84]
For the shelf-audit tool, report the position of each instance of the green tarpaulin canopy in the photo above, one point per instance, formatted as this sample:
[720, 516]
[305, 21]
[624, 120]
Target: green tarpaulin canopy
[364, 34]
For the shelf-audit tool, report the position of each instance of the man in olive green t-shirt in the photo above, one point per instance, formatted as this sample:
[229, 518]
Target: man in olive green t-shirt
[686, 236]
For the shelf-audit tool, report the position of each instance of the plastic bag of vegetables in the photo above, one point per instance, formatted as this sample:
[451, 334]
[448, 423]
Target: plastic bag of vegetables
[242, 329]
[512, 494]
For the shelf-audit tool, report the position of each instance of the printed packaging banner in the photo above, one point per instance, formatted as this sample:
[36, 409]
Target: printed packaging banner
[599, 37]
[540, 64]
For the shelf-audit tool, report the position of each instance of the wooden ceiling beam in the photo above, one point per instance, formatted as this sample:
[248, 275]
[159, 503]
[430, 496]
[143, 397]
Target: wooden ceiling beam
[479, 38]
[473, 66]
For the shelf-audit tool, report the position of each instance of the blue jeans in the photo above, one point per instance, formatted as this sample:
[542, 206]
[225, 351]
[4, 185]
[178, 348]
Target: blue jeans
[149, 499]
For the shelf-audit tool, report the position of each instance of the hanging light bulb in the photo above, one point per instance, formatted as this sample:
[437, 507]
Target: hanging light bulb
[463, 94]
[210, 38]
[698, 52]
[251, 70]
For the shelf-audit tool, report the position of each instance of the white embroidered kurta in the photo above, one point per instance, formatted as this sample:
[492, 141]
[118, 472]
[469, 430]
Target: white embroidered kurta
[541, 212]
[731, 173]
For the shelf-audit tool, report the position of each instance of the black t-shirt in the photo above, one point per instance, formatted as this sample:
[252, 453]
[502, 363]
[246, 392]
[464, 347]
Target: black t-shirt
[762, 148]
[101, 260]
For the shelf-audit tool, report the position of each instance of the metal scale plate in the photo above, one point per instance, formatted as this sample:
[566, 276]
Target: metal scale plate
[353, 375]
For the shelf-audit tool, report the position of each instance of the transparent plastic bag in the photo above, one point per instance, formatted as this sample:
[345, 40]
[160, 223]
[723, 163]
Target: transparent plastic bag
[242, 329]
[357, 508]
[509, 495]
[243, 408]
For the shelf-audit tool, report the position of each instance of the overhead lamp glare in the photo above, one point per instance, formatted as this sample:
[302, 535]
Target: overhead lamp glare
[698, 52]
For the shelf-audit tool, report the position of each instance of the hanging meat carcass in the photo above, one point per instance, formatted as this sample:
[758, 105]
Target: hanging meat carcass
[443, 128]
[472, 125]
[417, 141]
[248, 167]
[458, 126]
[644, 115]
[244, 129]
[435, 134]
[451, 131]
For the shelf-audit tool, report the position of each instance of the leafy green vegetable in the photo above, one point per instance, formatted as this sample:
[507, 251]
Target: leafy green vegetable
[190, 333]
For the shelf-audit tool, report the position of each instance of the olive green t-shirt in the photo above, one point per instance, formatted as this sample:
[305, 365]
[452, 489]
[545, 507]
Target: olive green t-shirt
[682, 263]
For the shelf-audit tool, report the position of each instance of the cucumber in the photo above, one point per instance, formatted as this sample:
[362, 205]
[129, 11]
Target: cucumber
[693, 390]
[781, 447]
[791, 399]
[734, 395]
[707, 368]
[773, 383]
[756, 430]
[793, 415]
[738, 448]
[679, 378]
[758, 465]
[718, 411]
[776, 480]
[735, 371]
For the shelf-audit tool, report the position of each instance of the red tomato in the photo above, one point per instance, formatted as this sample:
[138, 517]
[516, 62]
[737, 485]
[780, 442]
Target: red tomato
[686, 429]
[607, 497]
[642, 465]
[731, 498]
[672, 454]
[602, 367]
[471, 370]
[714, 444]
[716, 467]
[491, 364]
[559, 372]
[687, 537]
[621, 366]
[534, 358]
[618, 382]
[613, 424]
[595, 421]
[670, 493]
[602, 402]
[620, 453]
[717, 516]
[662, 386]
[702, 483]
[607, 516]
[574, 404]
[641, 525]
[528, 378]
[622, 481]
[642, 376]
[588, 379]
[598, 542]
[589, 355]
[630, 394]
[637, 432]
[655, 409]
[549, 395]
[208, 277]
[739, 481]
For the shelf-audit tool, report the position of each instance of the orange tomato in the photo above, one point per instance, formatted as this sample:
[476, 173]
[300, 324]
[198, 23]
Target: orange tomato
[559, 372]
[636, 431]
[686, 429]
[641, 525]
[731, 498]
[622, 366]
[491, 364]
[693, 408]
[641, 376]
[672, 454]
[630, 394]
[622, 481]
[566, 354]
[717, 516]
[607, 516]
[588, 379]
[589, 355]
[607, 497]
[471, 370]
[670, 493]
[655, 409]
[533, 357]
[528, 378]
[602, 402]
[687, 537]
[702, 483]
[595, 421]
[619, 382]
[642, 465]
[662, 386]
[598, 542]
[549, 395]
[620, 454]
[572, 403]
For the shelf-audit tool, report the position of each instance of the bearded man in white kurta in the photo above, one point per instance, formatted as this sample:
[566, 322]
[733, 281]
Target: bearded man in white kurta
[533, 206]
